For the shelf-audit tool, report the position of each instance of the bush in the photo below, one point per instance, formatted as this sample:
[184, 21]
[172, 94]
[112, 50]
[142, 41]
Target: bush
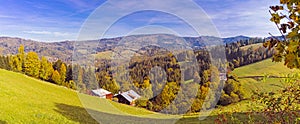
[225, 99]
[232, 92]
[141, 102]
[115, 99]
[234, 98]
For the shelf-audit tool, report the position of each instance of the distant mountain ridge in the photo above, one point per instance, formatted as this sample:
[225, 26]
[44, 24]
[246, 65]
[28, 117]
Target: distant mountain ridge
[234, 39]
[63, 50]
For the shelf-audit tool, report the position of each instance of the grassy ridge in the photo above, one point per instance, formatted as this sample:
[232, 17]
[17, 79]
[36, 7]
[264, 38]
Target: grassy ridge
[264, 68]
[27, 100]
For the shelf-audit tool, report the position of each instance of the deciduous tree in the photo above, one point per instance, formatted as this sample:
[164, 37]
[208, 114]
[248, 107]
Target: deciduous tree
[32, 64]
[286, 18]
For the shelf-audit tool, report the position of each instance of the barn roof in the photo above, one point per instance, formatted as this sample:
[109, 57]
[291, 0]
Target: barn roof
[130, 95]
[101, 92]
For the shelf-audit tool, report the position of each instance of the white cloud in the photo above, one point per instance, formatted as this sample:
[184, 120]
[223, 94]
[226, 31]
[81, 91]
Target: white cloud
[249, 17]
[8, 16]
[38, 32]
[56, 34]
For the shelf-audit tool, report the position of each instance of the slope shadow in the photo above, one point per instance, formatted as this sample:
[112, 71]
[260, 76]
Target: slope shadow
[3, 122]
[80, 114]
[84, 116]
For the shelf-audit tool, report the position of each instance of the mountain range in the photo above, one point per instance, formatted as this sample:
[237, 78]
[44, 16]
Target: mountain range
[64, 50]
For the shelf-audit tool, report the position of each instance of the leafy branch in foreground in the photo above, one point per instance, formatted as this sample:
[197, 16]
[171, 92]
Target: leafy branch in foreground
[287, 19]
[282, 106]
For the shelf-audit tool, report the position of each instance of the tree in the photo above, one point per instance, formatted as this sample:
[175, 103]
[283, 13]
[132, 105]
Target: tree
[46, 69]
[57, 65]
[77, 75]
[63, 72]
[286, 18]
[56, 78]
[32, 64]
[14, 64]
[21, 57]
[89, 79]
[69, 75]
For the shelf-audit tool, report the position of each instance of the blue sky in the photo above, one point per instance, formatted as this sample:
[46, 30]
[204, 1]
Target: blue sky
[58, 20]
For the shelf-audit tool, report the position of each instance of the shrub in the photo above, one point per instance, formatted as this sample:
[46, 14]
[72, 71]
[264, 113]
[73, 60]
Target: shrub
[141, 102]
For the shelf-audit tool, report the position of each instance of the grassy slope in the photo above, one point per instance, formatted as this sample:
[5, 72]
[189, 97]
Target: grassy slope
[27, 100]
[266, 67]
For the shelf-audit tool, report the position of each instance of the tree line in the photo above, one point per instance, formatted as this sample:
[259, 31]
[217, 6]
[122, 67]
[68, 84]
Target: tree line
[238, 54]
[32, 65]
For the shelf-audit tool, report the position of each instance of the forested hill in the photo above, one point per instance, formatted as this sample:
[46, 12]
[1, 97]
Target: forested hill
[63, 50]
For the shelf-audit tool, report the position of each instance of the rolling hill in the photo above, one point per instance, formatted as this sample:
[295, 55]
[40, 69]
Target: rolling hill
[252, 75]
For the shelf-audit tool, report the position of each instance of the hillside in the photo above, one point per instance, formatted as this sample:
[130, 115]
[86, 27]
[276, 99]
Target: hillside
[252, 75]
[36, 101]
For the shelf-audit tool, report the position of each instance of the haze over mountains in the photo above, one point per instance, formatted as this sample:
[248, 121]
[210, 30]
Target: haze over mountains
[63, 50]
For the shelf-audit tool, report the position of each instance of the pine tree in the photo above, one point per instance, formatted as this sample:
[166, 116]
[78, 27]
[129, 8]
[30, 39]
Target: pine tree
[90, 79]
[69, 75]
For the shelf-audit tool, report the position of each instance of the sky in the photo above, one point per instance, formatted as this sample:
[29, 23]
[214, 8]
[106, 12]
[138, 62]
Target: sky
[59, 20]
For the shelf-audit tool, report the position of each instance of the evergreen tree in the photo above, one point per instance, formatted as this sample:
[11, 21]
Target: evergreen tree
[69, 75]
[90, 79]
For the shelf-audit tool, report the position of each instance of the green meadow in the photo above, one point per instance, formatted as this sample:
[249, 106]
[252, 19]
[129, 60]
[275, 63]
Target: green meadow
[263, 76]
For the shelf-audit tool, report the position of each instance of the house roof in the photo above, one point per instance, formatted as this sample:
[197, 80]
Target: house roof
[101, 92]
[130, 95]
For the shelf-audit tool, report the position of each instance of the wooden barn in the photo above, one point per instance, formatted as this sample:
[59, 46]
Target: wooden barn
[102, 93]
[128, 97]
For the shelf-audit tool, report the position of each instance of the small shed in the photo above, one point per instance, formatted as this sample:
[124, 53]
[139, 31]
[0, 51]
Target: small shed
[102, 93]
[223, 76]
[128, 97]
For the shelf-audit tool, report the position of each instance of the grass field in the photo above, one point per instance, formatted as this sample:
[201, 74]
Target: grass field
[27, 100]
[263, 68]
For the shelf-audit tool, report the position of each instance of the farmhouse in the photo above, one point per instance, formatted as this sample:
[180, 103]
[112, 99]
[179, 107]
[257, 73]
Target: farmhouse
[128, 97]
[102, 93]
